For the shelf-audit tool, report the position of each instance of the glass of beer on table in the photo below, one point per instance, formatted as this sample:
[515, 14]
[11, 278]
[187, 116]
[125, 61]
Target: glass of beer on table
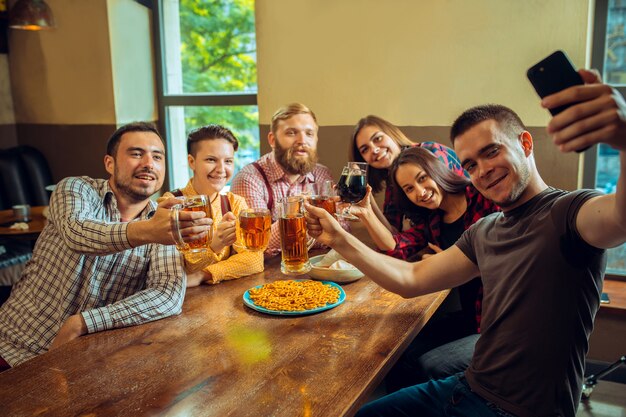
[196, 251]
[294, 241]
[254, 227]
[321, 194]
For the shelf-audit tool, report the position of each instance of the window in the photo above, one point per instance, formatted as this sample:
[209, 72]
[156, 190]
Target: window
[609, 57]
[207, 66]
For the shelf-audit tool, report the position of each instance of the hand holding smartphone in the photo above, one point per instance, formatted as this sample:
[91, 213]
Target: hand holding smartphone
[553, 74]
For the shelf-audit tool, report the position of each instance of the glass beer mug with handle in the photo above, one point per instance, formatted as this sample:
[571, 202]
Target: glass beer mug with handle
[197, 252]
[254, 229]
[321, 194]
[294, 242]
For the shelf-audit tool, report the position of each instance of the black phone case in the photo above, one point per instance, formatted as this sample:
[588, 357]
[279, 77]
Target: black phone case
[553, 74]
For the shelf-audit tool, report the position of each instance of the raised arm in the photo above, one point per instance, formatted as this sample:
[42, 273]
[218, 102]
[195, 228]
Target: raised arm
[447, 269]
[379, 233]
[598, 117]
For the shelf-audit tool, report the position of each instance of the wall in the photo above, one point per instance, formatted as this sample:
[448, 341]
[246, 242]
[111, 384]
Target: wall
[132, 61]
[8, 136]
[418, 64]
[72, 86]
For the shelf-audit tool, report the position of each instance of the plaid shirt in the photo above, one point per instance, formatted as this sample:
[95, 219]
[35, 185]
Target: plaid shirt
[249, 184]
[83, 263]
[411, 241]
[446, 155]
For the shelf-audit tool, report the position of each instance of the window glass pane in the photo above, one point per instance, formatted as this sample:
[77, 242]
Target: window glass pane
[615, 48]
[242, 120]
[607, 162]
[209, 46]
[607, 171]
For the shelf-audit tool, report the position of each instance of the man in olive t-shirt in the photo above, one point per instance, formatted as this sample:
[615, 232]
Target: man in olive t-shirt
[542, 262]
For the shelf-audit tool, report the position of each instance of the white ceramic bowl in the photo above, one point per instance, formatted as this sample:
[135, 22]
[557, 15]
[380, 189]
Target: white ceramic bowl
[341, 276]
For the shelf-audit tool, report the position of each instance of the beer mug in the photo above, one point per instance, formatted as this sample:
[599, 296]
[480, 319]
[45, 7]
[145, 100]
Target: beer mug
[322, 194]
[192, 203]
[254, 229]
[295, 243]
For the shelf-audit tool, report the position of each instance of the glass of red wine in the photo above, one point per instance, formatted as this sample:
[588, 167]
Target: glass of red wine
[352, 186]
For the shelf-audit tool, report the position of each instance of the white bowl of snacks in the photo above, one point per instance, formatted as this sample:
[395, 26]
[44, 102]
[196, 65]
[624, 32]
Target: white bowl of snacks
[331, 267]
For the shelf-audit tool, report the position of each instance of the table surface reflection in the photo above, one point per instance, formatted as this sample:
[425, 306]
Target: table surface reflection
[220, 358]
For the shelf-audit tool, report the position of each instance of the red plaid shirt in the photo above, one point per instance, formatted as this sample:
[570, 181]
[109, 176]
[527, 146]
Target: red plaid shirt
[424, 230]
[445, 155]
[249, 184]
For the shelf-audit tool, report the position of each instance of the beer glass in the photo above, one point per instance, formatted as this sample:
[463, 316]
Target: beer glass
[321, 194]
[192, 203]
[352, 186]
[254, 228]
[293, 238]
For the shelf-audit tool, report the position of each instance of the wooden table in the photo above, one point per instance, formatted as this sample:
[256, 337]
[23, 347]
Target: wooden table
[617, 295]
[220, 358]
[35, 225]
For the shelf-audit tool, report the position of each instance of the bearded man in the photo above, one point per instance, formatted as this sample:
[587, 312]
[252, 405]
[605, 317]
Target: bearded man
[104, 260]
[285, 170]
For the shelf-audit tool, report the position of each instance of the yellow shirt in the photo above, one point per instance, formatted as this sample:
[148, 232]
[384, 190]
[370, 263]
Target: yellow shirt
[228, 266]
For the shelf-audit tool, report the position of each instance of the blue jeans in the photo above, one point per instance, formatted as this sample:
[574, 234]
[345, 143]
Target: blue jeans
[445, 397]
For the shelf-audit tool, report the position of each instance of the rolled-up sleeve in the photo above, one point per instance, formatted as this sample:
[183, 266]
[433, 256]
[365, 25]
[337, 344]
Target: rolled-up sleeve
[72, 208]
[162, 297]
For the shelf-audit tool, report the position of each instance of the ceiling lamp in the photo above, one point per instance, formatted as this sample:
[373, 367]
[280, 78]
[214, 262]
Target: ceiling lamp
[31, 15]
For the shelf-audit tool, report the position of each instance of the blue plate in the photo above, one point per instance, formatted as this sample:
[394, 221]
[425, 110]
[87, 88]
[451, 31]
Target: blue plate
[248, 302]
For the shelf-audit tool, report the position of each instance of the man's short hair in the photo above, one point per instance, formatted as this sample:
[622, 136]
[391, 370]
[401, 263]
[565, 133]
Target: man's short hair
[506, 118]
[114, 141]
[289, 111]
[209, 132]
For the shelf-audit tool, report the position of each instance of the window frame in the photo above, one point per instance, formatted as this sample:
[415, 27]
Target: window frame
[192, 99]
[590, 157]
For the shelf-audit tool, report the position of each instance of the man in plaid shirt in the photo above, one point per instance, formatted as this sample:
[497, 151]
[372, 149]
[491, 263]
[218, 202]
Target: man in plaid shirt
[101, 260]
[287, 169]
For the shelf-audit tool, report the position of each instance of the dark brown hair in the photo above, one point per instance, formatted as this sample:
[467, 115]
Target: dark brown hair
[446, 179]
[114, 141]
[506, 118]
[209, 132]
[376, 177]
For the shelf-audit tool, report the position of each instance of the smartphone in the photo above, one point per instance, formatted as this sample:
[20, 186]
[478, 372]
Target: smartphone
[604, 298]
[553, 74]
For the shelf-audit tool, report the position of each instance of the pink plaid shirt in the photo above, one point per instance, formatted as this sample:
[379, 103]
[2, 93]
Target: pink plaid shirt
[249, 184]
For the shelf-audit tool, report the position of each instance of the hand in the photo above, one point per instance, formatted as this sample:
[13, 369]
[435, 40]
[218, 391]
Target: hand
[160, 228]
[599, 115]
[73, 328]
[434, 248]
[225, 233]
[198, 277]
[321, 226]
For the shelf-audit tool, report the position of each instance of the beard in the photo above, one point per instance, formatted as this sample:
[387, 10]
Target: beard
[295, 164]
[518, 189]
[135, 193]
